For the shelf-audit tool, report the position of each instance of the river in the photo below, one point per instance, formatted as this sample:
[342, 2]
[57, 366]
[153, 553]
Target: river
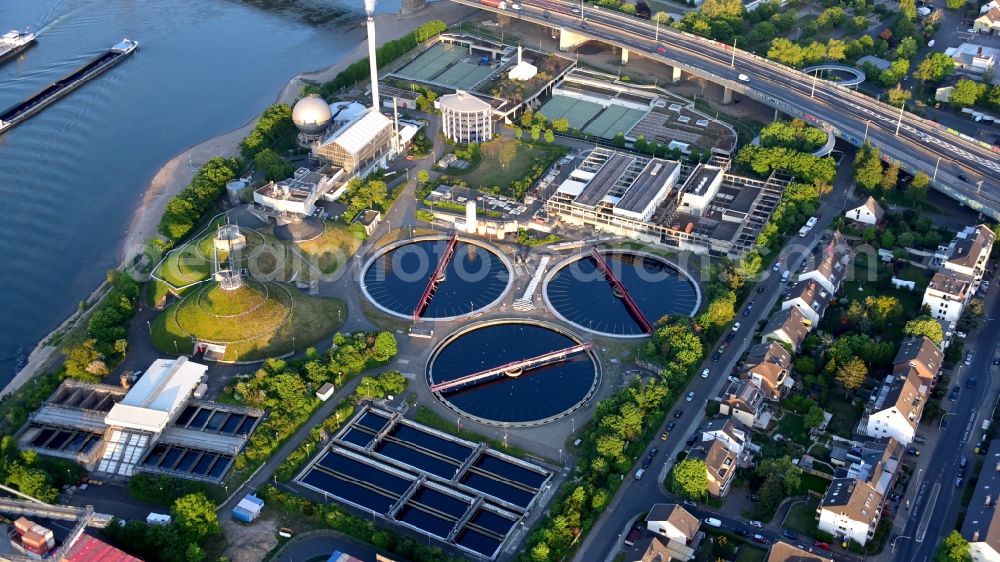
[72, 176]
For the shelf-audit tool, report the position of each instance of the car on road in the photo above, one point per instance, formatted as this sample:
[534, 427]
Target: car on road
[671, 425]
[777, 266]
[968, 359]
[756, 524]
[741, 531]
[746, 311]
[576, 10]
[664, 435]
[971, 383]
[546, 14]
[689, 503]
[515, 6]
[788, 534]
[653, 451]
[760, 539]
[661, 49]
[717, 355]
[958, 482]
[678, 414]
[821, 545]
[963, 177]
[730, 336]
[584, 25]
[954, 394]
[736, 326]
[761, 289]
[639, 473]
[690, 396]
[704, 374]
[646, 462]
[744, 78]
[996, 360]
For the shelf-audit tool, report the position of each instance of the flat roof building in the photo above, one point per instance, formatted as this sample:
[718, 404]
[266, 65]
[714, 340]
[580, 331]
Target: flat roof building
[158, 396]
[648, 190]
[359, 145]
[299, 194]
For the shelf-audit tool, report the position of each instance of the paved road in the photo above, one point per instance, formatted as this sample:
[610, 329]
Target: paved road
[636, 496]
[320, 547]
[936, 503]
[917, 143]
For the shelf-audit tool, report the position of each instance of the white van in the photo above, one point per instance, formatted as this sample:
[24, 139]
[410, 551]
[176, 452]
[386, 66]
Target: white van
[158, 519]
[713, 522]
[785, 275]
[639, 473]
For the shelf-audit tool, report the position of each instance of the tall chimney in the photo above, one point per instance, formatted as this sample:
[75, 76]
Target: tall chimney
[372, 62]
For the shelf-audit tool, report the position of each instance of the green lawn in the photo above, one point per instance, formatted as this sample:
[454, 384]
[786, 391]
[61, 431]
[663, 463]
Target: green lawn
[333, 248]
[254, 325]
[749, 553]
[793, 427]
[845, 414]
[815, 483]
[506, 160]
[802, 517]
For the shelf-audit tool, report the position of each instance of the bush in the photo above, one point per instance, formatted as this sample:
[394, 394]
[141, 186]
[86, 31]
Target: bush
[187, 207]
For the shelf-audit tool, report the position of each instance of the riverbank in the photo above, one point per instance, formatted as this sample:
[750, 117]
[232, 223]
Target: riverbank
[177, 172]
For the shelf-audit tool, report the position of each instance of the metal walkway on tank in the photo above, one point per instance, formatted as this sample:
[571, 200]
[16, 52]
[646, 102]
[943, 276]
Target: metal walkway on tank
[519, 367]
[622, 291]
[436, 277]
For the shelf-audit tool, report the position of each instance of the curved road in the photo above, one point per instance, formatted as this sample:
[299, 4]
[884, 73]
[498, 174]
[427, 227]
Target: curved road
[918, 144]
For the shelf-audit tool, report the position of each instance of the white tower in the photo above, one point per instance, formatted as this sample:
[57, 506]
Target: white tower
[371, 55]
[471, 224]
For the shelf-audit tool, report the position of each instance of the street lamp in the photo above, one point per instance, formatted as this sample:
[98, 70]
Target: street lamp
[812, 94]
[899, 123]
[732, 63]
[936, 164]
[867, 123]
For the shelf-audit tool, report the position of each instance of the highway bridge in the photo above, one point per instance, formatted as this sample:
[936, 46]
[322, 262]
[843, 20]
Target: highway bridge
[963, 168]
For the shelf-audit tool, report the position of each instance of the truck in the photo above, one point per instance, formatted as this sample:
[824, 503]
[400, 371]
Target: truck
[501, 4]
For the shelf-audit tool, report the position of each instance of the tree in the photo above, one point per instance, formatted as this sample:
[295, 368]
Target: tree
[560, 125]
[384, 347]
[851, 375]
[690, 479]
[720, 312]
[642, 10]
[908, 8]
[890, 178]
[956, 4]
[195, 515]
[897, 96]
[814, 418]
[917, 190]
[868, 167]
[79, 361]
[549, 136]
[423, 176]
[967, 92]
[954, 548]
[934, 67]
[273, 167]
[836, 50]
[723, 9]
[925, 326]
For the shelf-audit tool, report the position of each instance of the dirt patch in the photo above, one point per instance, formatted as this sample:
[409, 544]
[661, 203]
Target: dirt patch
[250, 543]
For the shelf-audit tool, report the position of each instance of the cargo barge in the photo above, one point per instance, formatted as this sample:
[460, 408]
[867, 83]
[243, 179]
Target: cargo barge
[60, 88]
[13, 42]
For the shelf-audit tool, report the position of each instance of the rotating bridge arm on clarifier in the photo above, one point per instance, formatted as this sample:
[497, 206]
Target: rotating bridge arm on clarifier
[617, 284]
[435, 277]
[522, 365]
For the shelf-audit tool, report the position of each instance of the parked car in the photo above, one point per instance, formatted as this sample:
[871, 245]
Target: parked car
[746, 311]
[639, 473]
[821, 545]
[690, 396]
[704, 374]
[913, 451]
[689, 503]
[733, 378]
[968, 359]
[653, 451]
[788, 534]
[717, 355]
[664, 435]
[958, 482]
[777, 266]
[756, 524]
[713, 522]
[740, 531]
[751, 497]
[671, 425]
[970, 383]
[761, 289]
[954, 394]
[736, 326]
[646, 462]
[996, 360]
[678, 414]
[760, 539]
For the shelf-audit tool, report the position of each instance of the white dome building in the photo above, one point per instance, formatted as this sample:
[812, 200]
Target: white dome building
[311, 115]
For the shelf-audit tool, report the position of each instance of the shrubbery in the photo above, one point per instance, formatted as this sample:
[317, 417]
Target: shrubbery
[107, 331]
[187, 207]
[274, 123]
[194, 520]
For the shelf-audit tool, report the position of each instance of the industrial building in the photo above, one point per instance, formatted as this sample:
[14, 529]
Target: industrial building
[465, 118]
[159, 425]
[298, 194]
[359, 145]
[701, 208]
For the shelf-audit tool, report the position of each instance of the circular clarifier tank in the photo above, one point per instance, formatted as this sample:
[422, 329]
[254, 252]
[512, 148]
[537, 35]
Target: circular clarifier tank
[396, 278]
[580, 292]
[531, 372]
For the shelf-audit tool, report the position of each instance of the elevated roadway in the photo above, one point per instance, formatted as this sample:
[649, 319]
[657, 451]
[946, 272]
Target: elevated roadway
[963, 168]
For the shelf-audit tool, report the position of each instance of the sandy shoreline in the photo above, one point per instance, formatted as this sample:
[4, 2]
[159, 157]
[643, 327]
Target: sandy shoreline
[177, 172]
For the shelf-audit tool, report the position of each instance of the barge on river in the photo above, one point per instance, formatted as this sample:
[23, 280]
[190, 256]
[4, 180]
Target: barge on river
[39, 101]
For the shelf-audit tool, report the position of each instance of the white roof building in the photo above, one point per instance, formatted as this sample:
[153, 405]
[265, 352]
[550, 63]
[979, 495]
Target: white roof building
[523, 70]
[359, 144]
[157, 396]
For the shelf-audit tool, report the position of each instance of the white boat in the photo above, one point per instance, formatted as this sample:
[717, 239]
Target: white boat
[13, 42]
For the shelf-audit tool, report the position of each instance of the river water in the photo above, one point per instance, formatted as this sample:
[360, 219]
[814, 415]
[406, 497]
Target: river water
[72, 176]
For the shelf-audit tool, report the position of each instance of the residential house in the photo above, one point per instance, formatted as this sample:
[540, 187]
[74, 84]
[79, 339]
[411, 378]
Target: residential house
[770, 366]
[788, 326]
[866, 212]
[896, 409]
[831, 271]
[988, 22]
[981, 526]
[673, 522]
[811, 298]
[744, 401]
[720, 466]
[973, 59]
[852, 505]
[947, 294]
[733, 435]
[921, 355]
[369, 220]
[781, 551]
[968, 252]
[989, 6]
[656, 549]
